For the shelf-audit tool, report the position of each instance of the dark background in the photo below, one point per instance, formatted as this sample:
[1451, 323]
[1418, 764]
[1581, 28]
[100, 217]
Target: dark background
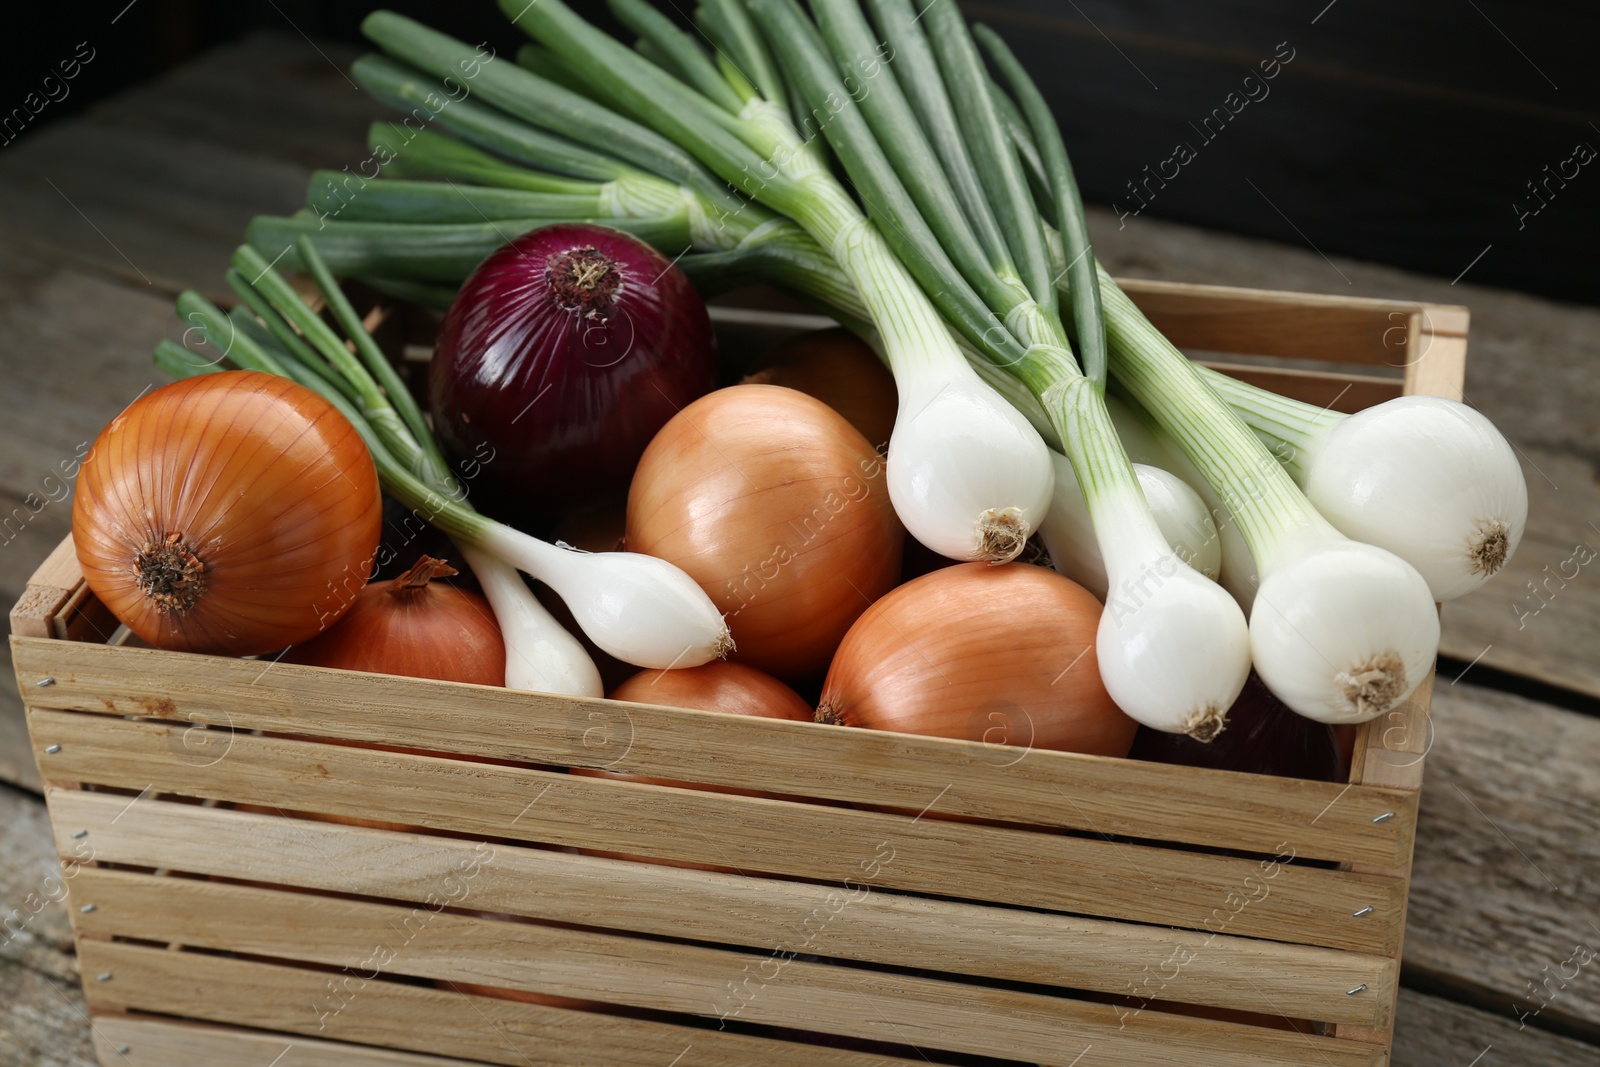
[1400, 132]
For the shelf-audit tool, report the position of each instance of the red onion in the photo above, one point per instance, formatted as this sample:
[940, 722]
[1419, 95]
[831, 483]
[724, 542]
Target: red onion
[563, 354]
[1263, 736]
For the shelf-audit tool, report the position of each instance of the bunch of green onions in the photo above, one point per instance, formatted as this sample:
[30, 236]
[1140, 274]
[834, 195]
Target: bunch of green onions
[861, 156]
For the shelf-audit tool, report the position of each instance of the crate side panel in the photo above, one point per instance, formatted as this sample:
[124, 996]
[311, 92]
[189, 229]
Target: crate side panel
[1206, 968]
[1126, 798]
[663, 976]
[1300, 904]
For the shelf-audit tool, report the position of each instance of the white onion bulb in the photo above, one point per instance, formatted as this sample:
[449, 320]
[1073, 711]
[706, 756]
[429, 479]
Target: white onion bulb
[1342, 631]
[638, 608]
[1427, 478]
[541, 655]
[1068, 531]
[1173, 647]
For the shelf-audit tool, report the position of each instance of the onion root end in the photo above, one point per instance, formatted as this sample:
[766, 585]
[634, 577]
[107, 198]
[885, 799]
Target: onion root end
[1206, 724]
[1488, 547]
[1002, 534]
[829, 715]
[1373, 687]
[170, 574]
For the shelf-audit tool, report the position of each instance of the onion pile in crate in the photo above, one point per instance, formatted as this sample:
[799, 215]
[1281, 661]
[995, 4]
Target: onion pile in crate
[1205, 532]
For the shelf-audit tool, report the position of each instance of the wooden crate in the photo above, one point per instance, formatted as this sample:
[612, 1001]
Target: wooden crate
[1110, 912]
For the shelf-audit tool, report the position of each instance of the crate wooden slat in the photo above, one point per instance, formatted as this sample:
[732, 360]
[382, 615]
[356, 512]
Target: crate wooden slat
[1239, 973]
[1261, 322]
[153, 1042]
[1034, 940]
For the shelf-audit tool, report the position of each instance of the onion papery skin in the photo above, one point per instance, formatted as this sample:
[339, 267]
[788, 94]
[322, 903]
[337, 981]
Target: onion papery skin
[1429, 479]
[264, 494]
[842, 371]
[1003, 655]
[1263, 736]
[432, 631]
[777, 507]
[541, 400]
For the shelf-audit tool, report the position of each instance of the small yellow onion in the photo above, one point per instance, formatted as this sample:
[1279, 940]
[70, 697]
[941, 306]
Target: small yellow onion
[1004, 655]
[778, 508]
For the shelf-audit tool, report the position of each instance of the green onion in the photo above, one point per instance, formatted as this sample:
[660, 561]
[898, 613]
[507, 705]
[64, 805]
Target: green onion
[1086, 313]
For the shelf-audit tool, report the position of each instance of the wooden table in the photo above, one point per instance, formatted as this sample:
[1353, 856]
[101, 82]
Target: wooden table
[104, 218]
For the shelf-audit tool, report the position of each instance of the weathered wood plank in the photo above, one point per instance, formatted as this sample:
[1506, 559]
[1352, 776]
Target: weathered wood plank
[75, 349]
[1507, 871]
[931, 935]
[269, 94]
[663, 976]
[33, 920]
[16, 754]
[1438, 1033]
[198, 153]
[42, 1020]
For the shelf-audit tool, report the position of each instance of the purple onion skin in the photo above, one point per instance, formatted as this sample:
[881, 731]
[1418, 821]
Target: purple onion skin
[562, 355]
[1263, 736]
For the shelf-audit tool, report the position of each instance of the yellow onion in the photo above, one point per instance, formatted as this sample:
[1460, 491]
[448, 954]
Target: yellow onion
[233, 513]
[778, 508]
[1004, 655]
[727, 687]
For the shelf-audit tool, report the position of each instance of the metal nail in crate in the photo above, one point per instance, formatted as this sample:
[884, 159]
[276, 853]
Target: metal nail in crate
[240, 880]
